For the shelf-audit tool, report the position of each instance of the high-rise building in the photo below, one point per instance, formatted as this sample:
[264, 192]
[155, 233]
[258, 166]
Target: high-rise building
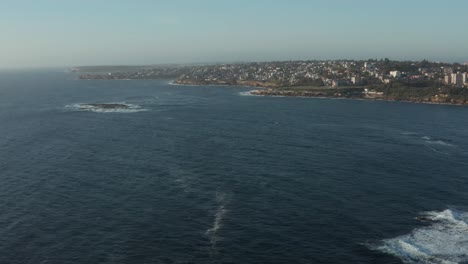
[448, 79]
[457, 79]
[356, 80]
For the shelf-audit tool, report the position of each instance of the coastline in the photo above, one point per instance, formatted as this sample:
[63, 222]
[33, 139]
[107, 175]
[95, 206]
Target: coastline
[324, 93]
[273, 90]
[253, 84]
[282, 93]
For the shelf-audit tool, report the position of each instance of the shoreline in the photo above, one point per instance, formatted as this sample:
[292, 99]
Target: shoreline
[263, 89]
[261, 93]
[267, 90]
[253, 84]
[214, 85]
[278, 92]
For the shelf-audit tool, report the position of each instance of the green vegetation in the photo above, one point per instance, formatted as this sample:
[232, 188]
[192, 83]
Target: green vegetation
[310, 82]
[423, 90]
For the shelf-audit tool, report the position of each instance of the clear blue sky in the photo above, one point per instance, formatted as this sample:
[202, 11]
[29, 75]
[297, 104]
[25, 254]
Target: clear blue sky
[86, 32]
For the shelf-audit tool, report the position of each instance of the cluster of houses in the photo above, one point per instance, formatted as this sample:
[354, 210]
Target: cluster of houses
[330, 73]
[327, 73]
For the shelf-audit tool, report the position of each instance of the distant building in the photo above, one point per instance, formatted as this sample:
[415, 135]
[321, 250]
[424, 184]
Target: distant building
[457, 79]
[371, 92]
[369, 66]
[395, 74]
[448, 70]
[356, 80]
[337, 83]
[448, 79]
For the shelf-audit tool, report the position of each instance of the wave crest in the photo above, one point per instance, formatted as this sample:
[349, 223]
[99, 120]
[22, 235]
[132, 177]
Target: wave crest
[444, 241]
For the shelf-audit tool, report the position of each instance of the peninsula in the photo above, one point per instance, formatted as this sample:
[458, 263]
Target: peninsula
[384, 79]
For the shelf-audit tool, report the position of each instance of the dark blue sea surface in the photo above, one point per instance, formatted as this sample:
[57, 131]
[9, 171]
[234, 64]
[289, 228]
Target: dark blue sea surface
[194, 174]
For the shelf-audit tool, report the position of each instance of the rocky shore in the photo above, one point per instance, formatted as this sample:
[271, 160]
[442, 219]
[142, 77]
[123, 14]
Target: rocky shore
[271, 89]
[355, 95]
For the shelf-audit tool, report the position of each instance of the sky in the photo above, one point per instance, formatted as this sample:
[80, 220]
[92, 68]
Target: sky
[63, 33]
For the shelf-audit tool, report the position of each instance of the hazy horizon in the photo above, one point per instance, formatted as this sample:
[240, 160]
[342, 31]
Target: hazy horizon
[54, 33]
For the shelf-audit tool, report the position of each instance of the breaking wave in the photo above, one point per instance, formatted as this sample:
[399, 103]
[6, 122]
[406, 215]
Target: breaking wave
[107, 107]
[444, 241]
[248, 93]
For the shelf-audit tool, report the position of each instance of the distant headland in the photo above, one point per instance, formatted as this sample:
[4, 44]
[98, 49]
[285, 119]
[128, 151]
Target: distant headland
[384, 79]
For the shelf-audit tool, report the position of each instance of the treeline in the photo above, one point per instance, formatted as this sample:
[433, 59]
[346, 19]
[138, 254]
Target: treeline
[422, 89]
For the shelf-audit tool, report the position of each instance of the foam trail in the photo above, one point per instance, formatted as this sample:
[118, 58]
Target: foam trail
[445, 241]
[431, 141]
[427, 140]
[438, 151]
[219, 216]
[409, 133]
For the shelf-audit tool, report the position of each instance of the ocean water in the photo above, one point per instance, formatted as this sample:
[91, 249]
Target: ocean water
[194, 174]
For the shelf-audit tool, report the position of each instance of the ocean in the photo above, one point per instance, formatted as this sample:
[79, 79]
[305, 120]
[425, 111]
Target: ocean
[196, 174]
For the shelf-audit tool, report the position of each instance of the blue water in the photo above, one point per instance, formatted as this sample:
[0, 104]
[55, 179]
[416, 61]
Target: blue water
[206, 175]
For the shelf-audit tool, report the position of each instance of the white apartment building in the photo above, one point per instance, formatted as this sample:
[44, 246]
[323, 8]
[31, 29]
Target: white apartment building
[457, 78]
[395, 74]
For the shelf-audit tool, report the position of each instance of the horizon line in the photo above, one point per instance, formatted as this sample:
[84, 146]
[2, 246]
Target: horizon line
[223, 62]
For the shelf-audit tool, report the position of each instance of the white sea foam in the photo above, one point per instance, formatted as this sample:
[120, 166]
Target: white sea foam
[409, 133]
[431, 141]
[127, 108]
[219, 216]
[445, 241]
[440, 142]
[249, 93]
[246, 93]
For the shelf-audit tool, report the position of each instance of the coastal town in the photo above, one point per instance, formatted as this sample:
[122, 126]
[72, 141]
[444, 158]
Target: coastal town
[330, 73]
[421, 81]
